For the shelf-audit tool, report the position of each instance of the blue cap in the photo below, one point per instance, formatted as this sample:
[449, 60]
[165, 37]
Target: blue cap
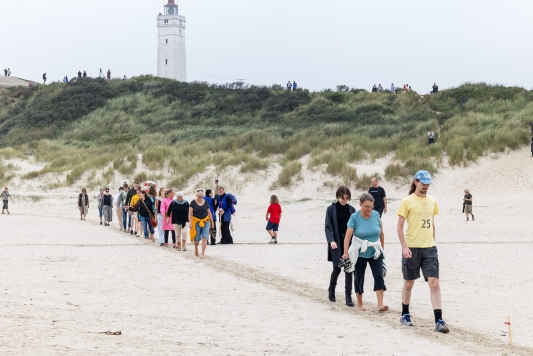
[424, 177]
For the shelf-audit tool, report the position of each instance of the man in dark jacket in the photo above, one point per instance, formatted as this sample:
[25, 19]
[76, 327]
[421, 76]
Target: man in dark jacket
[44, 78]
[79, 73]
[131, 193]
[109, 74]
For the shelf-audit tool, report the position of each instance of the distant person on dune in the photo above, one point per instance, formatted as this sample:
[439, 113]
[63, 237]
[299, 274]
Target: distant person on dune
[289, 85]
[125, 78]
[380, 88]
[8, 72]
[79, 73]
[109, 74]
[431, 137]
[374, 89]
[393, 89]
[5, 72]
[294, 86]
[44, 78]
[84, 74]
[435, 88]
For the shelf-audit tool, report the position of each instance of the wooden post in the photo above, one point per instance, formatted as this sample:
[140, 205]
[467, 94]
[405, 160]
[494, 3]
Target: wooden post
[510, 331]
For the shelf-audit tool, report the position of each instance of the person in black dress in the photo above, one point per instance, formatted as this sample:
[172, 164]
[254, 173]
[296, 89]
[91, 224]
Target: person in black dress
[337, 216]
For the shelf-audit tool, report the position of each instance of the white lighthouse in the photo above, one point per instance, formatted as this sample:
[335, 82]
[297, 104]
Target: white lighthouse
[171, 61]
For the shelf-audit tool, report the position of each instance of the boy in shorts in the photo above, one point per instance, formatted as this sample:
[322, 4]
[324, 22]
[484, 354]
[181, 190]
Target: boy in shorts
[273, 216]
[418, 247]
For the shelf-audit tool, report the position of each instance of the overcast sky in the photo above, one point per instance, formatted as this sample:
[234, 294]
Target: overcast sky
[320, 44]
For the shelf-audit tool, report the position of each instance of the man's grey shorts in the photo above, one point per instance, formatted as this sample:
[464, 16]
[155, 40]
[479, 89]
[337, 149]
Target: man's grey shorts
[426, 259]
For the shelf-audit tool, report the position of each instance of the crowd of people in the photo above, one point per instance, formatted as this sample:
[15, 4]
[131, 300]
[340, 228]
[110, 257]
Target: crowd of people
[140, 210]
[405, 88]
[356, 239]
[7, 72]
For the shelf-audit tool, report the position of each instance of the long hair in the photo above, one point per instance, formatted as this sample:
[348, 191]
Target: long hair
[413, 188]
[274, 200]
[152, 192]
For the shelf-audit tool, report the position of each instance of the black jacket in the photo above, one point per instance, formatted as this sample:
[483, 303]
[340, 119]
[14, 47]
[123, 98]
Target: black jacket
[129, 195]
[80, 200]
[142, 208]
[179, 212]
[332, 232]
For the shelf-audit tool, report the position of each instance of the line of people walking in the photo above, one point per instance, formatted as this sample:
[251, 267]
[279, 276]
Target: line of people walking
[140, 211]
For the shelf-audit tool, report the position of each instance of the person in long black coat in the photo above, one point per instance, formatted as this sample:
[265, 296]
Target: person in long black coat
[337, 216]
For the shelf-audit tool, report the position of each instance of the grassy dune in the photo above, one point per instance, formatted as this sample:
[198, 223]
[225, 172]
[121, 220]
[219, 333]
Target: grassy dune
[184, 127]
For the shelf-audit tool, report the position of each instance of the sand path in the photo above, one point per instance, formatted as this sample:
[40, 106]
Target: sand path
[65, 280]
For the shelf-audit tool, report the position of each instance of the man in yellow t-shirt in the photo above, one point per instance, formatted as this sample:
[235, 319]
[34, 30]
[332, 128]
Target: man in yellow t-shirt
[418, 246]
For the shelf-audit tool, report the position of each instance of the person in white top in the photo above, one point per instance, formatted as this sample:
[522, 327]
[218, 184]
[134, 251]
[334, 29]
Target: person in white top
[431, 137]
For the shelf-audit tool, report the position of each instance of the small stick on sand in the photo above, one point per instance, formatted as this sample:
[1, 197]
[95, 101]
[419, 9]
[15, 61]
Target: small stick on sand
[510, 331]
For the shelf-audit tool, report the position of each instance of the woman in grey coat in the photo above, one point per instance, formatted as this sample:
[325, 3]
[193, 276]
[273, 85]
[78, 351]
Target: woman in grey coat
[337, 216]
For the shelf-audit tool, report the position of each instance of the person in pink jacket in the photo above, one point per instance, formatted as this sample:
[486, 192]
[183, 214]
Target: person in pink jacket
[167, 226]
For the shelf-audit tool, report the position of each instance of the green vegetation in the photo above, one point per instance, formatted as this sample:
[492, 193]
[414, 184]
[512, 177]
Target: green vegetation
[185, 127]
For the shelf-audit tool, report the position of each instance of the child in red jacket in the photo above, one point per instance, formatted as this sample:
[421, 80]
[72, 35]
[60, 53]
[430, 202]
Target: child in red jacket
[273, 216]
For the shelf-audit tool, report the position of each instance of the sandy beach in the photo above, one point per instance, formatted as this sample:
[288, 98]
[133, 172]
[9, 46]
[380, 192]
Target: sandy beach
[65, 281]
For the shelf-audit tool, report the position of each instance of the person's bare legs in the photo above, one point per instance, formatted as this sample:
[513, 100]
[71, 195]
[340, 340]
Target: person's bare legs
[183, 247]
[196, 248]
[406, 291]
[359, 305]
[434, 288]
[204, 246]
[381, 307]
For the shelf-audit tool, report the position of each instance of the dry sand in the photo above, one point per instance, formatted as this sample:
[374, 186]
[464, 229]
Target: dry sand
[65, 280]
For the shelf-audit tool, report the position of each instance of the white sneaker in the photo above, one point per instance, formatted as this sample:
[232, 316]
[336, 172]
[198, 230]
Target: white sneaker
[273, 241]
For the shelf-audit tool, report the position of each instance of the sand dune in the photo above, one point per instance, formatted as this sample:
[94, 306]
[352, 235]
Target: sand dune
[65, 280]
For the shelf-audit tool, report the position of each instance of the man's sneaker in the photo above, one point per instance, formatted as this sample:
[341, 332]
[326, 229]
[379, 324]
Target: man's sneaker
[273, 241]
[406, 320]
[441, 327]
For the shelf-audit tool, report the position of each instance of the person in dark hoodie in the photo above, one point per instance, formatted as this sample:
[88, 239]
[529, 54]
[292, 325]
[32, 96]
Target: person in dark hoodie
[337, 216]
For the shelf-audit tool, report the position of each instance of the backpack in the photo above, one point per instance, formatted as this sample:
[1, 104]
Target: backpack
[233, 202]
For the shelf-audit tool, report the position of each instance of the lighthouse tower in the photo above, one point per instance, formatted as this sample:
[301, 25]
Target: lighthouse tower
[171, 62]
